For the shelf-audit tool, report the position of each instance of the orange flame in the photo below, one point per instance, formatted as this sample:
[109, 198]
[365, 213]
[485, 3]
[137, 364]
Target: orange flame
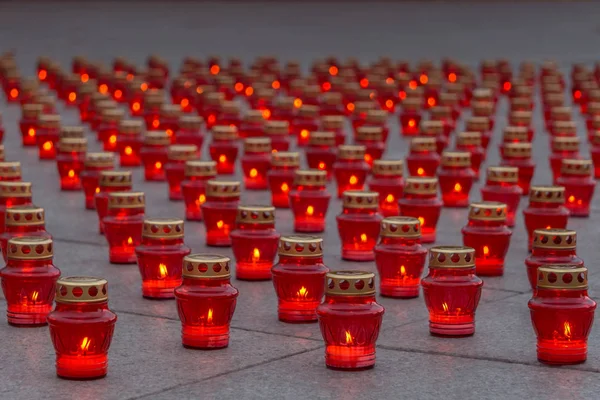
[457, 187]
[85, 78]
[363, 237]
[222, 158]
[255, 255]
[43, 74]
[155, 123]
[209, 316]
[34, 296]
[201, 199]
[184, 103]
[567, 330]
[85, 344]
[420, 171]
[412, 123]
[97, 190]
[162, 269]
[285, 187]
[103, 88]
[253, 173]
[303, 292]
[118, 94]
[136, 106]
[158, 165]
[353, 180]
[276, 85]
[72, 97]
[445, 307]
[47, 146]
[421, 220]
[220, 224]
[31, 132]
[71, 173]
[215, 69]
[304, 133]
[298, 103]
[112, 139]
[452, 77]
[321, 165]
[128, 150]
[349, 339]
[333, 70]
[402, 270]
[14, 93]
[249, 91]
[486, 250]
[390, 198]
[130, 240]
[310, 210]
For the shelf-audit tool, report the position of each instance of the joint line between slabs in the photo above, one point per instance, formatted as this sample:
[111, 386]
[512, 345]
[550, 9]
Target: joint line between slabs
[75, 241]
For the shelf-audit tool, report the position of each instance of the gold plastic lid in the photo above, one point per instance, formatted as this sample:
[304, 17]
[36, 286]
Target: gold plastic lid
[29, 248]
[561, 113]
[15, 189]
[285, 159]
[100, 160]
[350, 283]
[257, 145]
[478, 124]
[251, 214]
[49, 121]
[351, 152]
[190, 122]
[1, 152]
[81, 289]
[300, 246]
[130, 127]
[517, 150]
[333, 122]
[482, 108]
[370, 133]
[32, 110]
[388, 167]
[403, 227]
[25, 215]
[72, 132]
[441, 112]
[456, 159]
[565, 143]
[163, 228]
[562, 277]
[225, 132]
[73, 145]
[431, 128]
[516, 133]
[378, 117]
[554, 238]
[421, 185]
[451, 257]
[483, 94]
[503, 174]
[170, 110]
[487, 211]
[126, 200]
[310, 177]
[206, 266]
[113, 115]
[576, 167]
[10, 169]
[565, 128]
[547, 194]
[223, 188]
[157, 138]
[520, 117]
[322, 138]
[360, 199]
[277, 128]
[200, 168]
[468, 139]
[183, 152]
[115, 179]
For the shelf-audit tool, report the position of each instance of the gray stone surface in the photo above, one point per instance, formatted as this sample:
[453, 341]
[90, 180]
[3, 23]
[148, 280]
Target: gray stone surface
[268, 358]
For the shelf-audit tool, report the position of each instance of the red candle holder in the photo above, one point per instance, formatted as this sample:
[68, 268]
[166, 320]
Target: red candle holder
[551, 246]
[305, 122]
[94, 164]
[153, 101]
[485, 109]
[387, 181]
[335, 124]
[513, 134]
[562, 148]
[256, 162]
[72, 132]
[486, 232]
[229, 114]
[12, 194]
[563, 129]
[299, 278]
[81, 327]
[456, 178]
[576, 178]
[278, 132]
[123, 225]
[501, 186]
[24, 220]
[10, 171]
[29, 123]
[253, 124]
[220, 211]
[562, 314]
[281, 177]
[372, 138]
[481, 125]
[321, 152]
[70, 162]
[471, 142]
[284, 109]
[359, 225]
[193, 187]
[28, 280]
[350, 169]
[309, 201]
[177, 156]
[108, 128]
[420, 200]
[47, 136]
[423, 160]
[410, 117]
[452, 291]
[109, 182]
[160, 257]
[205, 301]
[129, 143]
[444, 115]
[154, 155]
[519, 155]
[224, 149]
[522, 119]
[168, 120]
[400, 257]
[190, 130]
[254, 242]
[350, 320]
[546, 210]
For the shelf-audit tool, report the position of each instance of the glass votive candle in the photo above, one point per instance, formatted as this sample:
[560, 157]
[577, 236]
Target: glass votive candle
[205, 301]
[350, 320]
[254, 242]
[321, 152]
[410, 116]
[190, 130]
[29, 123]
[309, 200]
[444, 115]
[486, 232]
[350, 169]
[359, 225]
[256, 162]
[108, 129]
[224, 148]
[193, 187]
[28, 280]
[423, 159]
[456, 178]
[278, 132]
[335, 124]
[387, 181]
[372, 138]
[154, 155]
[23, 220]
[522, 119]
[177, 156]
[90, 176]
[451, 291]
[229, 114]
[70, 162]
[10, 171]
[519, 155]
[502, 186]
[471, 142]
[81, 327]
[123, 225]
[160, 257]
[299, 278]
[129, 143]
[546, 210]
[12, 194]
[108, 182]
[252, 125]
[420, 200]
[562, 148]
[281, 177]
[47, 136]
[220, 211]
[513, 134]
[485, 109]
[400, 257]
[576, 178]
[482, 125]
[305, 122]
[562, 314]
[551, 246]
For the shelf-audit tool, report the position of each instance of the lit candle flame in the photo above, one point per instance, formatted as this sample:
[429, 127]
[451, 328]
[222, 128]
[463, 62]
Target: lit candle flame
[136, 106]
[567, 330]
[276, 85]
[47, 146]
[266, 114]
[31, 132]
[85, 78]
[209, 316]
[303, 292]
[457, 187]
[97, 190]
[322, 165]
[445, 307]
[390, 198]
[103, 88]
[112, 139]
[162, 269]
[285, 187]
[34, 296]
[571, 199]
[412, 123]
[158, 165]
[220, 224]
[42, 74]
[402, 270]
[72, 97]
[85, 344]
[486, 250]
[184, 103]
[144, 86]
[363, 237]
[129, 240]
[304, 133]
[421, 220]
[310, 210]
[420, 171]
[14, 93]
[255, 255]
[368, 158]
[353, 180]
[128, 150]
[350, 107]
[215, 69]
[71, 173]
[222, 158]
[155, 123]
[452, 77]
[253, 173]
[349, 339]
[201, 199]
[169, 132]
[389, 104]
[298, 103]
[118, 94]
[212, 119]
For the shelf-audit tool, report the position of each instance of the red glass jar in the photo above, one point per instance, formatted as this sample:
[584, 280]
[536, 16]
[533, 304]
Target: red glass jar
[29, 123]
[481, 125]
[350, 169]
[576, 178]
[444, 115]
[220, 211]
[211, 107]
[305, 122]
[108, 182]
[563, 129]
[513, 134]
[332, 104]
[169, 120]
[485, 109]
[190, 130]
[456, 178]
[522, 119]
[359, 225]
[254, 242]
[551, 246]
[26, 220]
[47, 136]
[331, 123]
[471, 142]
[372, 138]
[309, 201]
[423, 160]
[72, 132]
[12, 194]
[129, 143]
[70, 162]
[256, 162]
[562, 148]
[154, 155]
[224, 148]
[193, 187]
[10, 171]
[153, 101]
[562, 314]
[90, 177]
[400, 257]
[410, 117]
[501, 186]
[253, 124]
[81, 327]
[108, 128]
[205, 301]
[28, 280]
[451, 291]
[278, 132]
[229, 114]
[160, 257]
[123, 225]
[284, 109]
[350, 320]
[177, 156]
[321, 152]
[420, 200]
[299, 278]
[281, 177]
[546, 210]
[486, 232]
[387, 181]
[519, 155]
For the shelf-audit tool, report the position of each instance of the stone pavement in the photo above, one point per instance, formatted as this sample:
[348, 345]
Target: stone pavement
[267, 358]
